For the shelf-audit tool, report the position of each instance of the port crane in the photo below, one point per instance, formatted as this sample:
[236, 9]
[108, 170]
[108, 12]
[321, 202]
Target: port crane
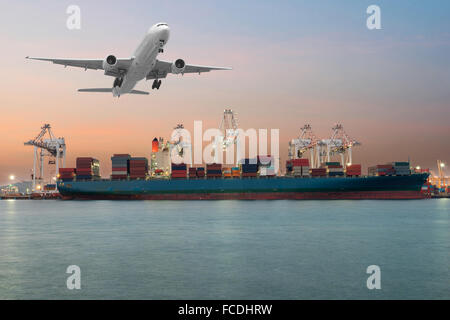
[177, 142]
[306, 141]
[229, 135]
[46, 145]
[441, 177]
[339, 143]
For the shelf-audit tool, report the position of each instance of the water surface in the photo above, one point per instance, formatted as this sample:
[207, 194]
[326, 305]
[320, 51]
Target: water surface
[225, 249]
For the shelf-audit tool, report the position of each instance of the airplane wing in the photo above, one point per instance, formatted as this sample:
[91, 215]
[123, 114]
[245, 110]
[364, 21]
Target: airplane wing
[94, 64]
[162, 68]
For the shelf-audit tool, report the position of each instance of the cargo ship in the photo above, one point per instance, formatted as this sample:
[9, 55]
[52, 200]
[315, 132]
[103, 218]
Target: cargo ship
[253, 179]
[259, 188]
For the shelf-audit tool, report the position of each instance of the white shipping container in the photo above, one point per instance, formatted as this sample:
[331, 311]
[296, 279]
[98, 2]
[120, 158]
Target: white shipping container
[119, 173]
[267, 171]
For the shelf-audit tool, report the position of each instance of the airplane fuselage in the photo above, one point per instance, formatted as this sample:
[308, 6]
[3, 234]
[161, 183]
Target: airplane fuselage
[144, 58]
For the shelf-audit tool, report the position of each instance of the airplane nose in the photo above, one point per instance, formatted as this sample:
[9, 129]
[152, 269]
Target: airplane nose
[164, 32]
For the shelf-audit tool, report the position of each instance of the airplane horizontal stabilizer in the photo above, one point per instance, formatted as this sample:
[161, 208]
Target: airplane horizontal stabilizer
[138, 92]
[109, 90]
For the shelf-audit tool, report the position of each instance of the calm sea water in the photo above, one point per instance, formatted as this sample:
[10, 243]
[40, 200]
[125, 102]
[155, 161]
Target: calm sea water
[225, 249]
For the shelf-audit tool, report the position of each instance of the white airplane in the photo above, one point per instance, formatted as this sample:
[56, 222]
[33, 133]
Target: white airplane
[143, 64]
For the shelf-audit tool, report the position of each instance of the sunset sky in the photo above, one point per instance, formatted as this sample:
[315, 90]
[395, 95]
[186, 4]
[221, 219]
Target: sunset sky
[294, 62]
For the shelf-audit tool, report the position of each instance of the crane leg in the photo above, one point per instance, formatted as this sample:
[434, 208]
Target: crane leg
[33, 187]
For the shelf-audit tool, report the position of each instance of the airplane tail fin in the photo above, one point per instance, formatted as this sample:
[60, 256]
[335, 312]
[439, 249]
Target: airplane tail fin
[110, 90]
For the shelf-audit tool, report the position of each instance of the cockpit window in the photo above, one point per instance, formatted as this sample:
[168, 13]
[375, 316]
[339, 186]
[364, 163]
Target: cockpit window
[161, 24]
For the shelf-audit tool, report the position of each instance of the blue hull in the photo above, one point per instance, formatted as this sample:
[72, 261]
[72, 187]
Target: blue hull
[384, 187]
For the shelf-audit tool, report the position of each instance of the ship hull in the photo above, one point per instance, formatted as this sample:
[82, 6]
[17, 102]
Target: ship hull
[388, 187]
[374, 195]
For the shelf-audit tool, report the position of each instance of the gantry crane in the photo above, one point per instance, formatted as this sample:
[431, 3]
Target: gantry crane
[54, 148]
[306, 141]
[339, 143]
[229, 135]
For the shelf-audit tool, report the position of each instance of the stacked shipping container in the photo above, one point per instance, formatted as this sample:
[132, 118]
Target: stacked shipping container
[235, 172]
[138, 168]
[390, 169]
[226, 172]
[319, 172]
[266, 166]
[50, 187]
[214, 170]
[353, 170]
[87, 168]
[120, 166]
[381, 170]
[192, 173]
[401, 168]
[67, 174]
[249, 168]
[200, 172]
[289, 167]
[334, 169]
[298, 167]
[179, 170]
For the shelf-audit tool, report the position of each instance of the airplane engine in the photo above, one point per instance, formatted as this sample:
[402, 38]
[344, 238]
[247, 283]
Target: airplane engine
[110, 65]
[178, 66]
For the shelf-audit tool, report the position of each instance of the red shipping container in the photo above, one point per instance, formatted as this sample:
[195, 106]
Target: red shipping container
[214, 166]
[82, 172]
[300, 162]
[384, 166]
[318, 172]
